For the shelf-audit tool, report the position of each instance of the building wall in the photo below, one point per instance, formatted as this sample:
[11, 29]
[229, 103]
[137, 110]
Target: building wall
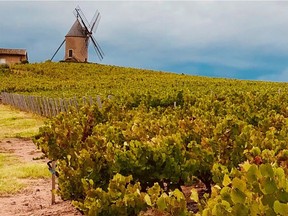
[79, 47]
[11, 59]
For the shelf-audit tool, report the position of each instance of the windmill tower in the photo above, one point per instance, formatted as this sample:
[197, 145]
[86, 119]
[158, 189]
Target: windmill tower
[78, 38]
[76, 46]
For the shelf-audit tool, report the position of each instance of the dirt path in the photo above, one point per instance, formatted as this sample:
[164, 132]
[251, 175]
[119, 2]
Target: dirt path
[35, 199]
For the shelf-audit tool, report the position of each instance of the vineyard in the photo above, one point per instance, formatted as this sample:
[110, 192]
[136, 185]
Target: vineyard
[158, 133]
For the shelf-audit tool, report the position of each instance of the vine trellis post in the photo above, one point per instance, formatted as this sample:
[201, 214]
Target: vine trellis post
[45, 106]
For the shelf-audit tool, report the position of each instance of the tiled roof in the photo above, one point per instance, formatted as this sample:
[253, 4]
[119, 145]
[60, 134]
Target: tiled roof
[13, 51]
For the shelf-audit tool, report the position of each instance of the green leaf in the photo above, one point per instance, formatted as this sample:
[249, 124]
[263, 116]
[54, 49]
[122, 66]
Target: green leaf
[238, 183]
[225, 194]
[147, 200]
[194, 195]
[280, 176]
[246, 166]
[269, 186]
[279, 172]
[237, 196]
[280, 208]
[178, 194]
[161, 203]
[255, 151]
[226, 180]
[268, 199]
[91, 182]
[266, 170]
[220, 209]
[252, 173]
[240, 210]
[155, 190]
[270, 212]
[283, 196]
[206, 212]
[254, 208]
[226, 204]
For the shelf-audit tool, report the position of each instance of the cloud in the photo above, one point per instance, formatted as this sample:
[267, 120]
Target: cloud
[228, 33]
[159, 34]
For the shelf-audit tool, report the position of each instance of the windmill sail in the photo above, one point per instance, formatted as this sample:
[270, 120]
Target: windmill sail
[97, 48]
[89, 29]
[77, 39]
[94, 22]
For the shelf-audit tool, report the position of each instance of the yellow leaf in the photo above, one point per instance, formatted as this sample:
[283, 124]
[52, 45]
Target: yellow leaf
[147, 200]
[226, 180]
[194, 195]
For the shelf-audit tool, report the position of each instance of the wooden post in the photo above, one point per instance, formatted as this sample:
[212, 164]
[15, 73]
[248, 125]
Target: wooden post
[71, 102]
[99, 102]
[53, 106]
[45, 105]
[53, 182]
[91, 101]
[66, 105]
[37, 103]
[76, 103]
[61, 105]
[48, 107]
[56, 103]
[84, 101]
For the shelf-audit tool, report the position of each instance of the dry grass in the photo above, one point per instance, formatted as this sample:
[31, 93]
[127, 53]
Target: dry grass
[15, 123]
[12, 171]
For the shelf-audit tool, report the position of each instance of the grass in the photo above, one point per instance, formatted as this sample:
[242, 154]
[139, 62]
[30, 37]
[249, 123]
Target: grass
[12, 171]
[6, 159]
[10, 187]
[15, 123]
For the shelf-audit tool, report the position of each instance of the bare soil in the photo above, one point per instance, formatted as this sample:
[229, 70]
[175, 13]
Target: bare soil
[35, 199]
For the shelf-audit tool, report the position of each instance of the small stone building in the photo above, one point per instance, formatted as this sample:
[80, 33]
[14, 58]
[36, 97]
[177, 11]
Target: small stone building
[76, 46]
[12, 56]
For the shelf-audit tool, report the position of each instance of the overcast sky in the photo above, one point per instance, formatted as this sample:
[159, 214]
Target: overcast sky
[243, 40]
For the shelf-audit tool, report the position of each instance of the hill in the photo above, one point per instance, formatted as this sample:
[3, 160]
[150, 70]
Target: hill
[75, 79]
[160, 133]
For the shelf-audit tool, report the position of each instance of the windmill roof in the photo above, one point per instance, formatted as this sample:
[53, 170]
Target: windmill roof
[13, 51]
[76, 30]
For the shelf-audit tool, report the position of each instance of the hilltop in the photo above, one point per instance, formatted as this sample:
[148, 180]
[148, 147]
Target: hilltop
[77, 79]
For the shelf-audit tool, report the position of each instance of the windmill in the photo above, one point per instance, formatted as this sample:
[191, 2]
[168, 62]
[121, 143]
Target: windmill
[77, 39]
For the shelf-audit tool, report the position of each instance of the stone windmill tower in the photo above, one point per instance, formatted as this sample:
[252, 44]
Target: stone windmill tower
[76, 46]
[78, 38]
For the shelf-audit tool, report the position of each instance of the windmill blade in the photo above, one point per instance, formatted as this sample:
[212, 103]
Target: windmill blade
[98, 52]
[95, 21]
[89, 28]
[75, 12]
[57, 49]
[97, 48]
[80, 14]
[94, 18]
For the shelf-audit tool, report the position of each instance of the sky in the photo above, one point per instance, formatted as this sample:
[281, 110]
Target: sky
[232, 39]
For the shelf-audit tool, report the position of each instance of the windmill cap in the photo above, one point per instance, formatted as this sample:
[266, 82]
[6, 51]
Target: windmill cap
[76, 30]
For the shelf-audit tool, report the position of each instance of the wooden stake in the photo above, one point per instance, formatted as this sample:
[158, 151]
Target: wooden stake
[53, 182]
